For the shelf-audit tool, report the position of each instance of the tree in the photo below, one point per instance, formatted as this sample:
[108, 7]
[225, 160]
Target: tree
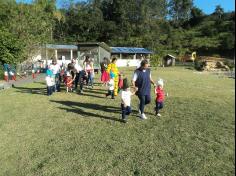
[196, 16]
[219, 11]
[180, 10]
[10, 48]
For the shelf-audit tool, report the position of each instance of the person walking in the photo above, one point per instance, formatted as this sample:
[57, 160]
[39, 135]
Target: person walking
[142, 80]
[112, 69]
[105, 75]
[89, 70]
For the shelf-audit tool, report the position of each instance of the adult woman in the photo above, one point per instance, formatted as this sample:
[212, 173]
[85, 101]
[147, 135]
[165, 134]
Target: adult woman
[112, 68]
[80, 74]
[89, 70]
[105, 75]
[55, 67]
[142, 81]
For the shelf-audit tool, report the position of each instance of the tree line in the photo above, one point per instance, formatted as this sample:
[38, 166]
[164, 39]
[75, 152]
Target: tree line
[165, 26]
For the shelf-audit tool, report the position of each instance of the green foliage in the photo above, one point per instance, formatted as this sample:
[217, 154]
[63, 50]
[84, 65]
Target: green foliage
[198, 65]
[10, 48]
[180, 10]
[156, 60]
[1, 71]
[230, 64]
[164, 26]
[28, 26]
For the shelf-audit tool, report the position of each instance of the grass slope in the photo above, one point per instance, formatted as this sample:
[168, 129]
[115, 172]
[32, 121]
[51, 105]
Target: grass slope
[69, 134]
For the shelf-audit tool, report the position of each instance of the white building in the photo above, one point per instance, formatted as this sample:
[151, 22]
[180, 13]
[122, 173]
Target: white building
[127, 56]
[130, 56]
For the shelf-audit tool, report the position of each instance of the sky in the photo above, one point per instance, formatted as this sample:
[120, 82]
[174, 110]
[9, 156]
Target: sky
[208, 6]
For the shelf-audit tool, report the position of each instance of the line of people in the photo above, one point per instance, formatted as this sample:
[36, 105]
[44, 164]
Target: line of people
[74, 75]
[140, 86]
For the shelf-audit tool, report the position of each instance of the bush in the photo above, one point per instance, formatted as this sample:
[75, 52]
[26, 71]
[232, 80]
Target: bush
[230, 64]
[216, 55]
[156, 60]
[198, 65]
[1, 72]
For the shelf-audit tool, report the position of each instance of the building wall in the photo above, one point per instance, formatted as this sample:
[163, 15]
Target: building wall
[104, 53]
[128, 62]
[50, 53]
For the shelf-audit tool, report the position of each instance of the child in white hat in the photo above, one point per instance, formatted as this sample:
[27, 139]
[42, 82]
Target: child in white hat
[160, 96]
[69, 82]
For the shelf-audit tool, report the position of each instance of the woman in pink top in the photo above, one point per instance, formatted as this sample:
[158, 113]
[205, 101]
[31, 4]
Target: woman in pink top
[89, 70]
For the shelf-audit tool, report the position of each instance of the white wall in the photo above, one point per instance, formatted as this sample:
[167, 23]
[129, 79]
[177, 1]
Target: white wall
[127, 62]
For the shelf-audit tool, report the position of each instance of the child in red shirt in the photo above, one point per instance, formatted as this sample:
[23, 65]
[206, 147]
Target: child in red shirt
[68, 82]
[160, 97]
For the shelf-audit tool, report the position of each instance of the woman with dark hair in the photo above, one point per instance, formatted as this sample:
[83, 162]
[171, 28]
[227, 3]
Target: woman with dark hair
[112, 69]
[142, 80]
[72, 71]
[89, 70]
[105, 75]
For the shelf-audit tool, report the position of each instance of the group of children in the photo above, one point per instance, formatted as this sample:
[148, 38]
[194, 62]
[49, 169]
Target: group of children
[71, 75]
[126, 92]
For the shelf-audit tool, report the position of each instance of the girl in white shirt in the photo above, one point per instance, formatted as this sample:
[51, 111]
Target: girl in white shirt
[111, 86]
[126, 100]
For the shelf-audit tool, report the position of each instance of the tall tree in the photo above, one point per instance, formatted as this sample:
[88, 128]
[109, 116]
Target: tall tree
[219, 11]
[180, 10]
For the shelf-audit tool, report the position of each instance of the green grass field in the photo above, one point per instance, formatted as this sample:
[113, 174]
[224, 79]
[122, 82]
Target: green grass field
[70, 134]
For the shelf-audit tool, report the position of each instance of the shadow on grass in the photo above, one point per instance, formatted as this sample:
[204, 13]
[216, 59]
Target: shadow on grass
[95, 91]
[190, 68]
[75, 107]
[39, 91]
[92, 95]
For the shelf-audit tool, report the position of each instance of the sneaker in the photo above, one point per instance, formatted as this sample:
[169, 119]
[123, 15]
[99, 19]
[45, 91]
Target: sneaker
[143, 116]
[124, 120]
[139, 110]
[159, 115]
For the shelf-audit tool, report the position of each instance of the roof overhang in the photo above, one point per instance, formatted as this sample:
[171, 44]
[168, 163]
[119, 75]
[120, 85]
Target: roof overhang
[130, 50]
[94, 44]
[61, 47]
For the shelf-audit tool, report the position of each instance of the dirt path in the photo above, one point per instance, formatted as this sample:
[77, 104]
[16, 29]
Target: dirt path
[21, 81]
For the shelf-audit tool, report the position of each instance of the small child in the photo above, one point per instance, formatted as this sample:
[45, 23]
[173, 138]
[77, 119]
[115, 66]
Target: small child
[111, 86]
[120, 83]
[68, 82]
[160, 96]
[126, 100]
[49, 82]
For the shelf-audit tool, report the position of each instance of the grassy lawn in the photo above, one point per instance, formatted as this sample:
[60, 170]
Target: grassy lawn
[70, 134]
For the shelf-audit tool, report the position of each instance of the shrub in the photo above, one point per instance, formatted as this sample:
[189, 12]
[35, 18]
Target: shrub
[198, 65]
[216, 55]
[230, 64]
[156, 60]
[1, 72]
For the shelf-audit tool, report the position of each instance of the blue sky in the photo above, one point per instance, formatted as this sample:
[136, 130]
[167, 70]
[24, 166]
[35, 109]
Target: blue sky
[208, 6]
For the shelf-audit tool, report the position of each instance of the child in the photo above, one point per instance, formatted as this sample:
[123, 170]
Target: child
[160, 96]
[120, 83]
[68, 82]
[49, 82]
[126, 100]
[111, 86]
